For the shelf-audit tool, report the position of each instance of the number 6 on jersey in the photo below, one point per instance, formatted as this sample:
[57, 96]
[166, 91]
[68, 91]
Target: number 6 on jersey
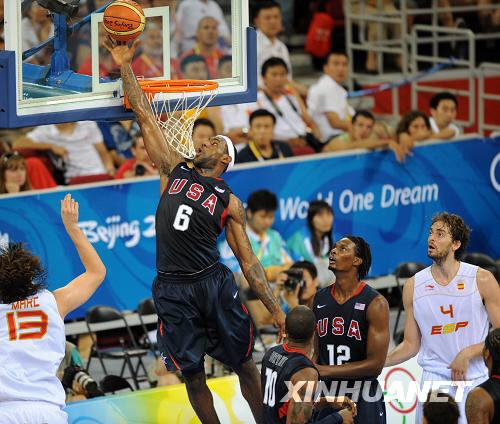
[182, 217]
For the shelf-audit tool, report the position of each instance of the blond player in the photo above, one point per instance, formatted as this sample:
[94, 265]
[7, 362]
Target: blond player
[32, 339]
[449, 307]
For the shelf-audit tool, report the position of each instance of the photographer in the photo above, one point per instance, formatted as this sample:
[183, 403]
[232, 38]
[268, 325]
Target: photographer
[140, 165]
[76, 381]
[297, 285]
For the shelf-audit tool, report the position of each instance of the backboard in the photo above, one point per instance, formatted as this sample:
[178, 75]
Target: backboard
[54, 68]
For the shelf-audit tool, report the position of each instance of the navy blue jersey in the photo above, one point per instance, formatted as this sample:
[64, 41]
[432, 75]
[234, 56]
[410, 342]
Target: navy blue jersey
[342, 329]
[190, 216]
[492, 386]
[280, 363]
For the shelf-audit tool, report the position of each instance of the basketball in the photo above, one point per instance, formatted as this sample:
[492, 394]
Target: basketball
[124, 20]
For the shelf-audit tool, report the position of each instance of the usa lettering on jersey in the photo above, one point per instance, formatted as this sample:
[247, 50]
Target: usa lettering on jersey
[339, 328]
[194, 193]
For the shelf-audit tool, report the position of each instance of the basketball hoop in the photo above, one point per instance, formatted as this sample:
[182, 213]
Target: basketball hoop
[176, 105]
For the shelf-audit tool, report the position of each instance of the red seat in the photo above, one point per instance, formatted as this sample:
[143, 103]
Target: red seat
[38, 174]
[35, 153]
[305, 150]
[85, 179]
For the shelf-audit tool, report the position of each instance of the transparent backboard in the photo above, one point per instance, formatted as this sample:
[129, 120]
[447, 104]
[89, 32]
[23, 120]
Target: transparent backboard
[55, 69]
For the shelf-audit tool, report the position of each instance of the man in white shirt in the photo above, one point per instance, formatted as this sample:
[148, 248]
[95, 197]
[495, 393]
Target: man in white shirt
[292, 120]
[449, 307]
[188, 16]
[267, 21]
[327, 99]
[443, 112]
[80, 143]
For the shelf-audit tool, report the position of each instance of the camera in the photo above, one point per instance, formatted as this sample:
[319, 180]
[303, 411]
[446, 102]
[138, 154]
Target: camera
[63, 7]
[74, 374]
[140, 170]
[295, 277]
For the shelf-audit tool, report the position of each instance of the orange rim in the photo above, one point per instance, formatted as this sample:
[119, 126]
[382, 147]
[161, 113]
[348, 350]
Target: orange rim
[177, 86]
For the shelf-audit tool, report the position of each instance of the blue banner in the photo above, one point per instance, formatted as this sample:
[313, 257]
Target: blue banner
[387, 203]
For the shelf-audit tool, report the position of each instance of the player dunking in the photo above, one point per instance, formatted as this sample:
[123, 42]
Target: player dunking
[32, 336]
[447, 309]
[196, 296]
[353, 329]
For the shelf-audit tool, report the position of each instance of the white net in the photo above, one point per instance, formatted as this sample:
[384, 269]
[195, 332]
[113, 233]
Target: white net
[176, 113]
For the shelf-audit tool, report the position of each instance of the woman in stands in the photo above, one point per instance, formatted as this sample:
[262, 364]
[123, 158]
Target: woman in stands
[314, 242]
[13, 173]
[412, 128]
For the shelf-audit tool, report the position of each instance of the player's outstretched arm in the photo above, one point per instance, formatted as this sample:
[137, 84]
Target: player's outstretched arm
[79, 290]
[253, 271]
[410, 345]
[164, 157]
[479, 407]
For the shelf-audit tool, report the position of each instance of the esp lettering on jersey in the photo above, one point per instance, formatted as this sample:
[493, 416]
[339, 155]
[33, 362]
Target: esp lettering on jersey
[342, 329]
[190, 216]
[280, 363]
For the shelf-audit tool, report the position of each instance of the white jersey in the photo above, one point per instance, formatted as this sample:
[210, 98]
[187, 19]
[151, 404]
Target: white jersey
[450, 318]
[32, 345]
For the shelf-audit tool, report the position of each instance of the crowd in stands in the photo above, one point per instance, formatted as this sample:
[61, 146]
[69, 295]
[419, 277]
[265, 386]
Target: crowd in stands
[288, 118]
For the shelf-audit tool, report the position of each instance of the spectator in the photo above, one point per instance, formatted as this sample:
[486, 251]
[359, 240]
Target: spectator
[13, 174]
[173, 22]
[392, 31]
[293, 123]
[437, 410]
[363, 135]
[261, 146]
[194, 67]
[489, 19]
[150, 63]
[314, 242]
[140, 165]
[107, 67]
[207, 38]
[77, 382]
[412, 128]
[118, 139]
[327, 98]
[443, 112]
[234, 117]
[203, 130]
[266, 243]
[80, 143]
[36, 27]
[189, 14]
[267, 21]
[297, 285]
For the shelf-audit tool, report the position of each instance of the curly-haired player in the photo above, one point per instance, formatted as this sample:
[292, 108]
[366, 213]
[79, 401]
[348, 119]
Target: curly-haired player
[352, 330]
[32, 337]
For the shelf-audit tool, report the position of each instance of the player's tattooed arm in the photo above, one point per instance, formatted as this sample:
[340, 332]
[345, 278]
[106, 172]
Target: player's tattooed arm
[164, 157]
[301, 405]
[240, 244]
[479, 407]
